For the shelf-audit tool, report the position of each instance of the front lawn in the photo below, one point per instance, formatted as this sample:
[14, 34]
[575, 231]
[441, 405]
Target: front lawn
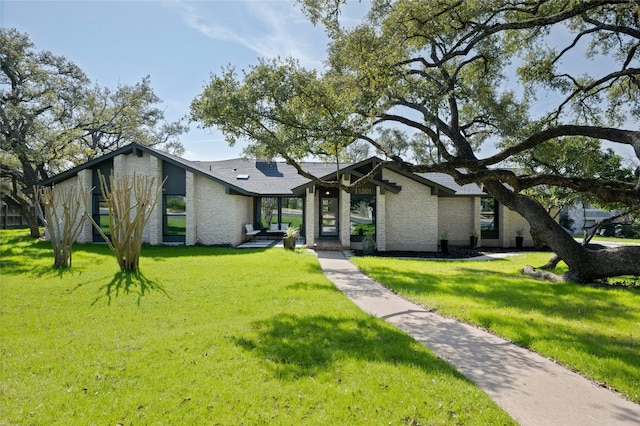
[594, 331]
[208, 336]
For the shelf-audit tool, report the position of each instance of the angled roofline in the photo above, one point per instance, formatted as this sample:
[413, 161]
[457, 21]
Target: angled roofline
[351, 168]
[230, 188]
[134, 148]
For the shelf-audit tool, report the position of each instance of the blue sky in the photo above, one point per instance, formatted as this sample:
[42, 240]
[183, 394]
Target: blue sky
[178, 43]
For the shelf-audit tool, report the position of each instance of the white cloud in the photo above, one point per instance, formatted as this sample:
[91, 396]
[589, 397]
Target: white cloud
[268, 28]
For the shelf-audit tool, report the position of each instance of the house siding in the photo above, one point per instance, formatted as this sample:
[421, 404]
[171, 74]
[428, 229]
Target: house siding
[81, 181]
[458, 216]
[344, 204]
[411, 216]
[310, 212]
[191, 234]
[215, 213]
[510, 222]
[144, 165]
[84, 180]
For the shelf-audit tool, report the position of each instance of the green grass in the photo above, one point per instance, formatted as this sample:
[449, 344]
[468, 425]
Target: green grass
[627, 241]
[594, 331]
[208, 336]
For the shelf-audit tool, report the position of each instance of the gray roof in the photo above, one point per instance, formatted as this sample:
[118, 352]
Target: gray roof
[448, 182]
[260, 177]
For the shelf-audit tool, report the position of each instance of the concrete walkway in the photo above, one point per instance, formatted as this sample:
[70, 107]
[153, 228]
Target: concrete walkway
[532, 389]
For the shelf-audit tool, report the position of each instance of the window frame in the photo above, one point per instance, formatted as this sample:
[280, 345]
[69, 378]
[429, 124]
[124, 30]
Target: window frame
[493, 232]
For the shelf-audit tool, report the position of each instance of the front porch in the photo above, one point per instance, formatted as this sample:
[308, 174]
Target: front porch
[268, 243]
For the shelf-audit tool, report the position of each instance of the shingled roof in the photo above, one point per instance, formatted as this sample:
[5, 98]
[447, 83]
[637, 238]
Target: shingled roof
[261, 177]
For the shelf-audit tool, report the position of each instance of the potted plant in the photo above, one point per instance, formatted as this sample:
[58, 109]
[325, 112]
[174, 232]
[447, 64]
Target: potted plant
[444, 242]
[519, 238]
[290, 236]
[473, 239]
[369, 242]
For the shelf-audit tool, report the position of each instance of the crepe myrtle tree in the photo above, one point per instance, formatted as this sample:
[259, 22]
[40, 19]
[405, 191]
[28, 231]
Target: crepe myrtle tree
[62, 210]
[130, 201]
[480, 88]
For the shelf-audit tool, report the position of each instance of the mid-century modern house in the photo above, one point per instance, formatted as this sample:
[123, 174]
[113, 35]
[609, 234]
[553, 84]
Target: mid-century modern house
[221, 202]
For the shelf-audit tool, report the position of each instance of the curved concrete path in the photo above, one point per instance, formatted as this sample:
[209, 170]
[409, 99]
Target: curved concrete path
[532, 389]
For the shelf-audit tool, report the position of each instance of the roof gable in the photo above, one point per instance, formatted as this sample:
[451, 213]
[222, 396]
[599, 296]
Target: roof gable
[271, 178]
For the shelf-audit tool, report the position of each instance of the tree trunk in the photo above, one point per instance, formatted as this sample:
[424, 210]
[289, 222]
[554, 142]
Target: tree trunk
[585, 265]
[31, 218]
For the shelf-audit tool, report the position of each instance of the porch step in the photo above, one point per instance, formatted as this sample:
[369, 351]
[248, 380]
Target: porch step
[326, 244]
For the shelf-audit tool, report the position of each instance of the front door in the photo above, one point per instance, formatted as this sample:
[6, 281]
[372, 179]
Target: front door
[329, 216]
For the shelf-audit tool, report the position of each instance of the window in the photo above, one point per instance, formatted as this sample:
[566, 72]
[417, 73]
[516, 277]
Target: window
[175, 218]
[268, 210]
[488, 218]
[363, 216]
[99, 207]
[174, 205]
[101, 216]
[275, 210]
[291, 211]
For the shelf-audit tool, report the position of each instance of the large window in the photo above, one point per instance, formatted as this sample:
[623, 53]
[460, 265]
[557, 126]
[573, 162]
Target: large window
[291, 211]
[99, 208]
[268, 211]
[175, 217]
[174, 206]
[271, 211]
[363, 216]
[100, 215]
[489, 218]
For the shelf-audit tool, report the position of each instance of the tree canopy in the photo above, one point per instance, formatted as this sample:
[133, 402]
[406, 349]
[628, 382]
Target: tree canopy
[51, 118]
[514, 96]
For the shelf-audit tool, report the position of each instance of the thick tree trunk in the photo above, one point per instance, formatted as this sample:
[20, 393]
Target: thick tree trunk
[31, 218]
[585, 265]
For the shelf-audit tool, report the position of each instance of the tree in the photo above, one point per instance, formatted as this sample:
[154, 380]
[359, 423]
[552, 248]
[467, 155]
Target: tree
[63, 216]
[130, 201]
[113, 119]
[51, 119]
[462, 76]
[39, 94]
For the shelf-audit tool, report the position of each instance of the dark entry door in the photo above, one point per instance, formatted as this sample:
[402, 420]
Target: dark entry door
[329, 216]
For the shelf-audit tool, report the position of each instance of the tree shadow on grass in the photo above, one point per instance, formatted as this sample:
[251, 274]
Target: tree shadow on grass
[124, 283]
[303, 346]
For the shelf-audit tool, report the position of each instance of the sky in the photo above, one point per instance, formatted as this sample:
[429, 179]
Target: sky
[179, 44]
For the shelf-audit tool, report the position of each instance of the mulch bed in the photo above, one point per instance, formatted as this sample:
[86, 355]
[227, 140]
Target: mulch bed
[454, 253]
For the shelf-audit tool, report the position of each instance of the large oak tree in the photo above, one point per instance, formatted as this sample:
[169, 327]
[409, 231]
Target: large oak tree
[51, 118]
[480, 87]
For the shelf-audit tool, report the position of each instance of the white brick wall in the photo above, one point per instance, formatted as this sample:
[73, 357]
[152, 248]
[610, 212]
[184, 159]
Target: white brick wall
[381, 220]
[82, 180]
[192, 211]
[310, 217]
[457, 216]
[145, 165]
[411, 216]
[510, 222]
[220, 217]
[344, 204]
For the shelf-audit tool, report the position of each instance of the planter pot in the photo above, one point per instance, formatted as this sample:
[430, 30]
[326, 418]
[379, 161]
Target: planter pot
[289, 243]
[444, 246]
[519, 241]
[368, 247]
[473, 242]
